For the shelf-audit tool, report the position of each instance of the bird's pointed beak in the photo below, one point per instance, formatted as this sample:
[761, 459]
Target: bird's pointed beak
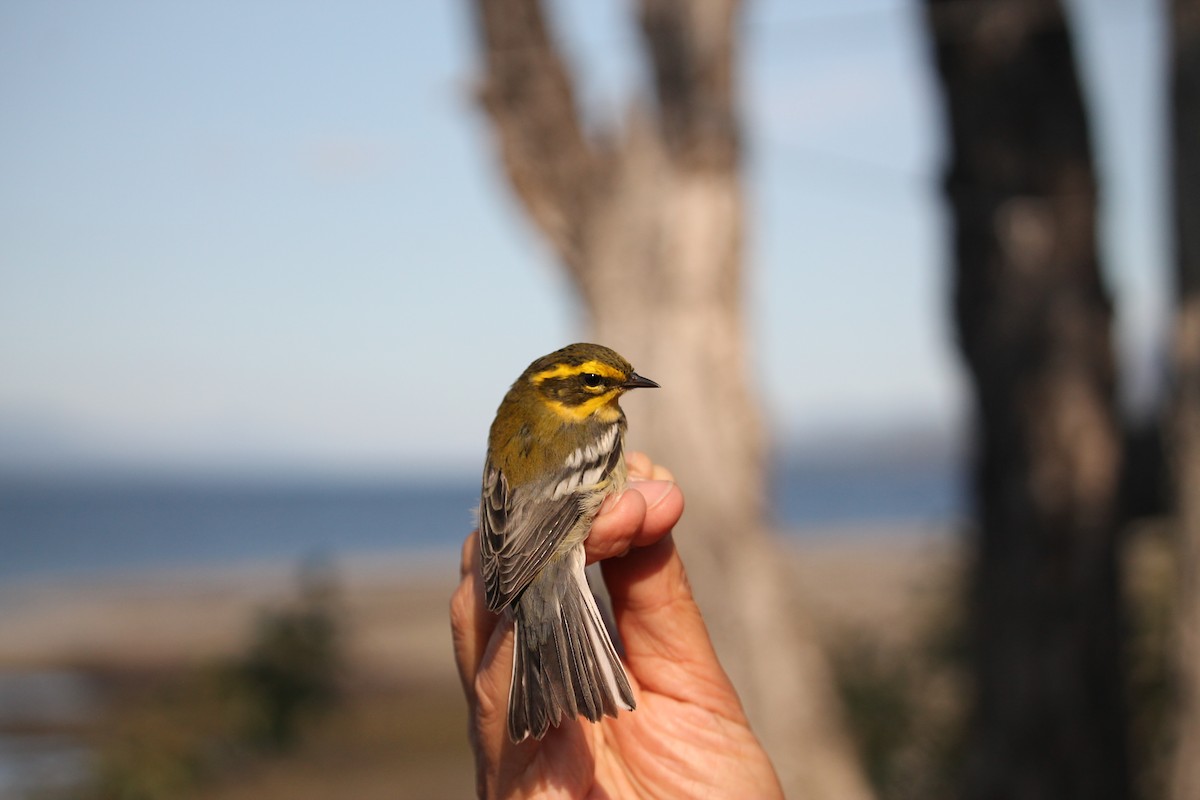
[636, 381]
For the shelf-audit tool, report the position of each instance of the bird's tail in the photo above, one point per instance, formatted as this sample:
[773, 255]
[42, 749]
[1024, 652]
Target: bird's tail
[564, 662]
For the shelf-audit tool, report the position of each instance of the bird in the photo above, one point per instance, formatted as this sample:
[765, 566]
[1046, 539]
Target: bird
[555, 451]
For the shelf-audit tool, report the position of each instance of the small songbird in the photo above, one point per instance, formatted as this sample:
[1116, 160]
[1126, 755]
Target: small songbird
[555, 451]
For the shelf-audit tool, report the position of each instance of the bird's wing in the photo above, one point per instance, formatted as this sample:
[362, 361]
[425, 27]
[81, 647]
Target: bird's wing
[521, 528]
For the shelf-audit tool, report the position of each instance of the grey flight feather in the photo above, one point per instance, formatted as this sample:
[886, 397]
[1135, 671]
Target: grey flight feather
[521, 529]
[531, 541]
[564, 663]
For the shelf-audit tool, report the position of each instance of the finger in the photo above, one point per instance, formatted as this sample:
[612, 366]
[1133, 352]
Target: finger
[661, 473]
[471, 623]
[641, 515]
[470, 554]
[639, 464]
[667, 645]
[492, 682]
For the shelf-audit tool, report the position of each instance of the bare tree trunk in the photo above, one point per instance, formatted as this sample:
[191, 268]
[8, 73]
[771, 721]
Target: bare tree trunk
[1033, 319]
[650, 227]
[1185, 130]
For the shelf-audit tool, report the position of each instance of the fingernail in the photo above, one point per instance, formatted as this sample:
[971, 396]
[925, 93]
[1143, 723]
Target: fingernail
[653, 491]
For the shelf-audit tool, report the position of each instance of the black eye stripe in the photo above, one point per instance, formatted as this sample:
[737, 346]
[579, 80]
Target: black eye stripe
[592, 379]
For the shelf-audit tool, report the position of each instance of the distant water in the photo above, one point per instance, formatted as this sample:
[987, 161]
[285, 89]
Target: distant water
[81, 527]
[87, 527]
[818, 495]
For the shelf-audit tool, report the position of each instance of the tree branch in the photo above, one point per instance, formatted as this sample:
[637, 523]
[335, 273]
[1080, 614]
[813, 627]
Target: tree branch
[691, 45]
[527, 92]
[1185, 130]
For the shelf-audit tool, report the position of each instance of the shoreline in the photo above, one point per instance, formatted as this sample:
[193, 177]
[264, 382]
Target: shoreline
[394, 604]
[418, 561]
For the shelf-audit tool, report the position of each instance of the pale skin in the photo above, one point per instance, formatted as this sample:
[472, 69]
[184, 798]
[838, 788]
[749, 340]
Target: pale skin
[688, 737]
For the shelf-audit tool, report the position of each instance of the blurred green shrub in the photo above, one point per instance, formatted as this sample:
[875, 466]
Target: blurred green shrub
[905, 701]
[290, 670]
[907, 707]
[182, 729]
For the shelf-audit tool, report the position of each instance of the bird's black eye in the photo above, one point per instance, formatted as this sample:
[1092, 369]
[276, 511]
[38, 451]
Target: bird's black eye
[592, 380]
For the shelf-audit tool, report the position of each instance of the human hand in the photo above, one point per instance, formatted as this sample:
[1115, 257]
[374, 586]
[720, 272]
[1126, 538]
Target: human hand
[689, 735]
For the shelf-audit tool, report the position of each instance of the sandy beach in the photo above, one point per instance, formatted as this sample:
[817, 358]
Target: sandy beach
[394, 610]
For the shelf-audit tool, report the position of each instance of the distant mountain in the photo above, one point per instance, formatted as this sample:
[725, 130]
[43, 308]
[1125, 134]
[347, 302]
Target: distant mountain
[41, 441]
[35, 443]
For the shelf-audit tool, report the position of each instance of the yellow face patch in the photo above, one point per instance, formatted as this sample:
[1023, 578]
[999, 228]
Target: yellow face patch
[602, 407]
[567, 370]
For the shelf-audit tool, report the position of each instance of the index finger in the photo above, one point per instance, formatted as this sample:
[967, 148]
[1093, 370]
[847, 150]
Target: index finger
[640, 516]
[641, 466]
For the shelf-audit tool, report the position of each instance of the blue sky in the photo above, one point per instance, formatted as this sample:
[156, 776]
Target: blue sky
[274, 234]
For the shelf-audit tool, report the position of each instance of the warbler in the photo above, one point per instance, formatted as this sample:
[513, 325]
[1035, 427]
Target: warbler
[555, 451]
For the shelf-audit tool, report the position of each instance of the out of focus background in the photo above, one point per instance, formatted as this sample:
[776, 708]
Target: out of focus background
[908, 273]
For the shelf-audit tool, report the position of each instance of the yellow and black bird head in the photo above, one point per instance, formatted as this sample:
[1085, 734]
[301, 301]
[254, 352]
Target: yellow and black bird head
[562, 402]
[583, 381]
